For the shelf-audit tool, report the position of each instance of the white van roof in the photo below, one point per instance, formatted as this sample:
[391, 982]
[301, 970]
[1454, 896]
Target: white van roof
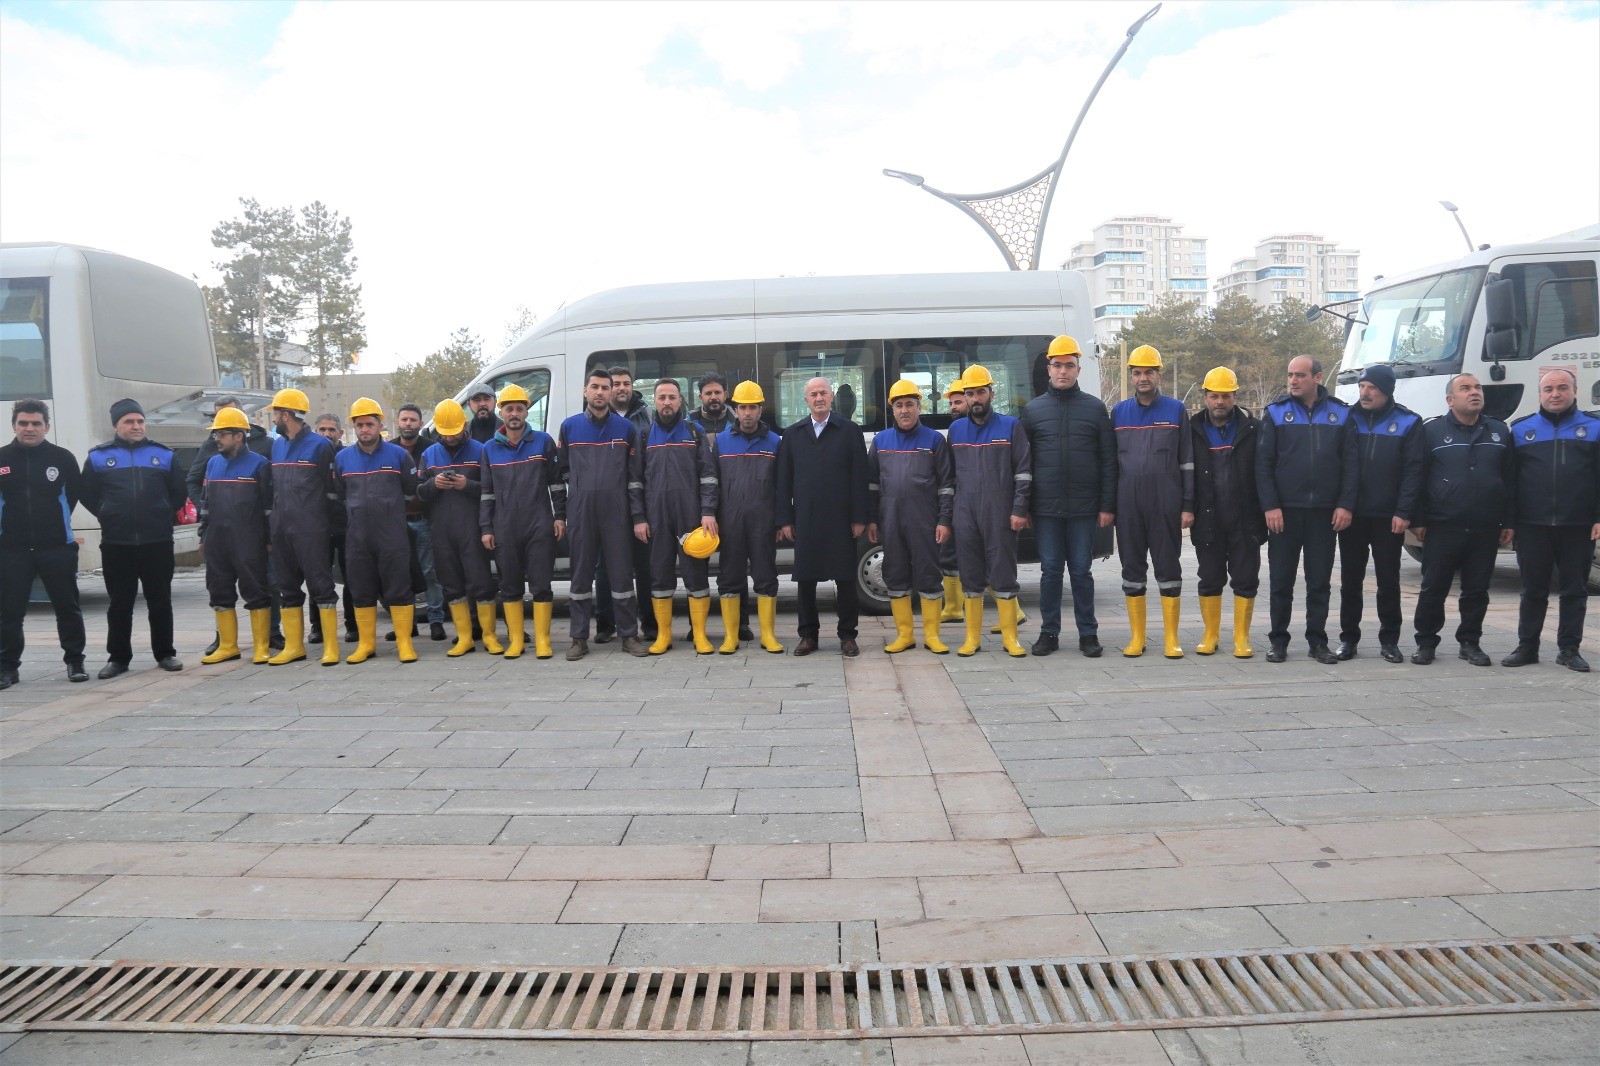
[1484, 257]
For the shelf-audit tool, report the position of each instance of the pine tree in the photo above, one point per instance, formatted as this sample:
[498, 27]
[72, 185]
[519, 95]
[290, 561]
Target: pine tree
[257, 301]
[330, 301]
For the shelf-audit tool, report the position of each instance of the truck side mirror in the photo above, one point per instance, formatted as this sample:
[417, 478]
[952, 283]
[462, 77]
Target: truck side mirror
[1500, 322]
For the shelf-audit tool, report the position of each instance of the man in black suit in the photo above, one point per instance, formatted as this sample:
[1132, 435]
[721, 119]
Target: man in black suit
[822, 507]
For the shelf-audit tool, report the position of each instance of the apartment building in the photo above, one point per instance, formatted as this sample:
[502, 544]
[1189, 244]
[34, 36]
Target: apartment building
[1303, 266]
[1131, 261]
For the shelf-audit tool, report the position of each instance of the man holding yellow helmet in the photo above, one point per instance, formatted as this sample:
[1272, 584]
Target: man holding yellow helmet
[680, 492]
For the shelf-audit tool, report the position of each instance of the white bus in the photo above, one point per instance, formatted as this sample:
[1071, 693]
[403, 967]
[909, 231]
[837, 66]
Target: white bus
[862, 333]
[81, 328]
[1504, 314]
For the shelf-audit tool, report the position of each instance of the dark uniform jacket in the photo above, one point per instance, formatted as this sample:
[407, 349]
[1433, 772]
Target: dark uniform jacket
[39, 487]
[1557, 469]
[638, 413]
[822, 492]
[414, 508]
[302, 485]
[911, 477]
[747, 472]
[257, 441]
[1074, 453]
[1233, 467]
[602, 466]
[993, 464]
[680, 473]
[1389, 451]
[520, 492]
[1467, 473]
[1307, 458]
[712, 426]
[375, 489]
[456, 509]
[133, 490]
[1155, 460]
[237, 500]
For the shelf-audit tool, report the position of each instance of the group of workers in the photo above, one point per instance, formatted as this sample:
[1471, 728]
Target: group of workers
[650, 492]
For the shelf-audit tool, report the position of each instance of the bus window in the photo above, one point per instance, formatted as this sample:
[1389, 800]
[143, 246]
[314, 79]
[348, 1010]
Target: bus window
[854, 367]
[685, 364]
[536, 382]
[24, 339]
[933, 363]
[1556, 302]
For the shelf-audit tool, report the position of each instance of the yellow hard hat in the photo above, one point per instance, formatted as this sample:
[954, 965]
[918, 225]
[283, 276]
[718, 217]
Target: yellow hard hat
[1062, 347]
[365, 406]
[1220, 379]
[448, 418]
[230, 418]
[955, 388]
[904, 387]
[977, 377]
[698, 544]
[1144, 355]
[512, 394]
[748, 392]
[291, 400]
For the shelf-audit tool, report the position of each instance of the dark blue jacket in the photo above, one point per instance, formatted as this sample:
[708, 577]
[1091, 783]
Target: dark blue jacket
[1389, 448]
[1307, 458]
[134, 490]
[38, 489]
[1074, 453]
[1467, 474]
[1557, 469]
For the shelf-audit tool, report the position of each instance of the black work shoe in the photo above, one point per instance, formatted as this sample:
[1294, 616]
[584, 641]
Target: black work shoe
[1347, 650]
[110, 670]
[1047, 644]
[1323, 654]
[171, 664]
[436, 631]
[1277, 653]
[1572, 661]
[1422, 657]
[314, 637]
[211, 649]
[75, 672]
[275, 641]
[389, 636]
[1475, 655]
[745, 633]
[1522, 656]
[1391, 653]
[1090, 646]
[8, 678]
[351, 636]
[606, 636]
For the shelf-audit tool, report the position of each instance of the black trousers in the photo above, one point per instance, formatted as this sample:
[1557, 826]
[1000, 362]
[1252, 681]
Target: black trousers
[57, 569]
[1449, 550]
[1370, 536]
[848, 608]
[128, 568]
[1309, 532]
[1566, 550]
[1230, 558]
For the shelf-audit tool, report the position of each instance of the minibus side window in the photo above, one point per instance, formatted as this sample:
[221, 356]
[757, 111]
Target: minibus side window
[24, 339]
[536, 382]
[686, 364]
[855, 367]
[934, 362]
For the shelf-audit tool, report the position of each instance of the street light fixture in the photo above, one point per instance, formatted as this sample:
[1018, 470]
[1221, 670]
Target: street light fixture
[1014, 217]
[1455, 213]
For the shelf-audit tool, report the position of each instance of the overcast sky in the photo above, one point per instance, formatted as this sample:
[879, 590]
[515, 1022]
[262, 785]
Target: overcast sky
[496, 154]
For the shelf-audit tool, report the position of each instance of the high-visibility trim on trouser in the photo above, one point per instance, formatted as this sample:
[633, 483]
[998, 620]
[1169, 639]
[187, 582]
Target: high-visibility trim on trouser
[903, 635]
[294, 637]
[227, 638]
[461, 616]
[329, 617]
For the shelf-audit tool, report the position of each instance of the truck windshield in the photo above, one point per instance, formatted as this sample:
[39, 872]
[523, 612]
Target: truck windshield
[1416, 323]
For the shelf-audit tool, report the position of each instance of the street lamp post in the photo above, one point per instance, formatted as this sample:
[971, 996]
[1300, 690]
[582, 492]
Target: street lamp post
[1014, 217]
[1455, 213]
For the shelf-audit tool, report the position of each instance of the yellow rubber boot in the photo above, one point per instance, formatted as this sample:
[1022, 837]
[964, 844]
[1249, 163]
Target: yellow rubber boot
[767, 612]
[514, 641]
[294, 637]
[952, 600]
[227, 638]
[486, 620]
[1211, 615]
[699, 611]
[972, 611]
[543, 610]
[330, 635]
[1136, 621]
[1169, 626]
[904, 637]
[999, 626]
[366, 634]
[730, 625]
[1009, 612]
[404, 617]
[662, 605]
[261, 634]
[461, 616]
[1243, 608]
[931, 609]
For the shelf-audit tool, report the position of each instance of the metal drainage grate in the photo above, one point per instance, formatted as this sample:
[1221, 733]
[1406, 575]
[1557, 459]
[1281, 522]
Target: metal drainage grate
[1059, 995]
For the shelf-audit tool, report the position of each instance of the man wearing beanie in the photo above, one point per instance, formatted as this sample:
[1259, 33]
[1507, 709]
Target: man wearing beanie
[133, 485]
[1389, 447]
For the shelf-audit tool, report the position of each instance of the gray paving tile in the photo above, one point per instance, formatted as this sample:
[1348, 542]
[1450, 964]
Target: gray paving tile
[271, 801]
[428, 829]
[649, 777]
[122, 825]
[780, 777]
[569, 758]
[821, 755]
[294, 828]
[222, 940]
[1422, 803]
[1056, 770]
[1559, 1039]
[774, 943]
[1135, 817]
[1084, 747]
[798, 800]
[1375, 921]
[23, 938]
[1203, 929]
[1470, 775]
[363, 1051]
[391, 801]
[745, 829]
[472, 943]
[564, 829]
[155, 1049]
[821, 1053]
[1088, 793]
[1537, 913]
[524, 779]
[1191, 765]
[1341, 758]
[1243, 786]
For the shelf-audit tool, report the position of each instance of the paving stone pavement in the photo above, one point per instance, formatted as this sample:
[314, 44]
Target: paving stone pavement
[758, 808]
